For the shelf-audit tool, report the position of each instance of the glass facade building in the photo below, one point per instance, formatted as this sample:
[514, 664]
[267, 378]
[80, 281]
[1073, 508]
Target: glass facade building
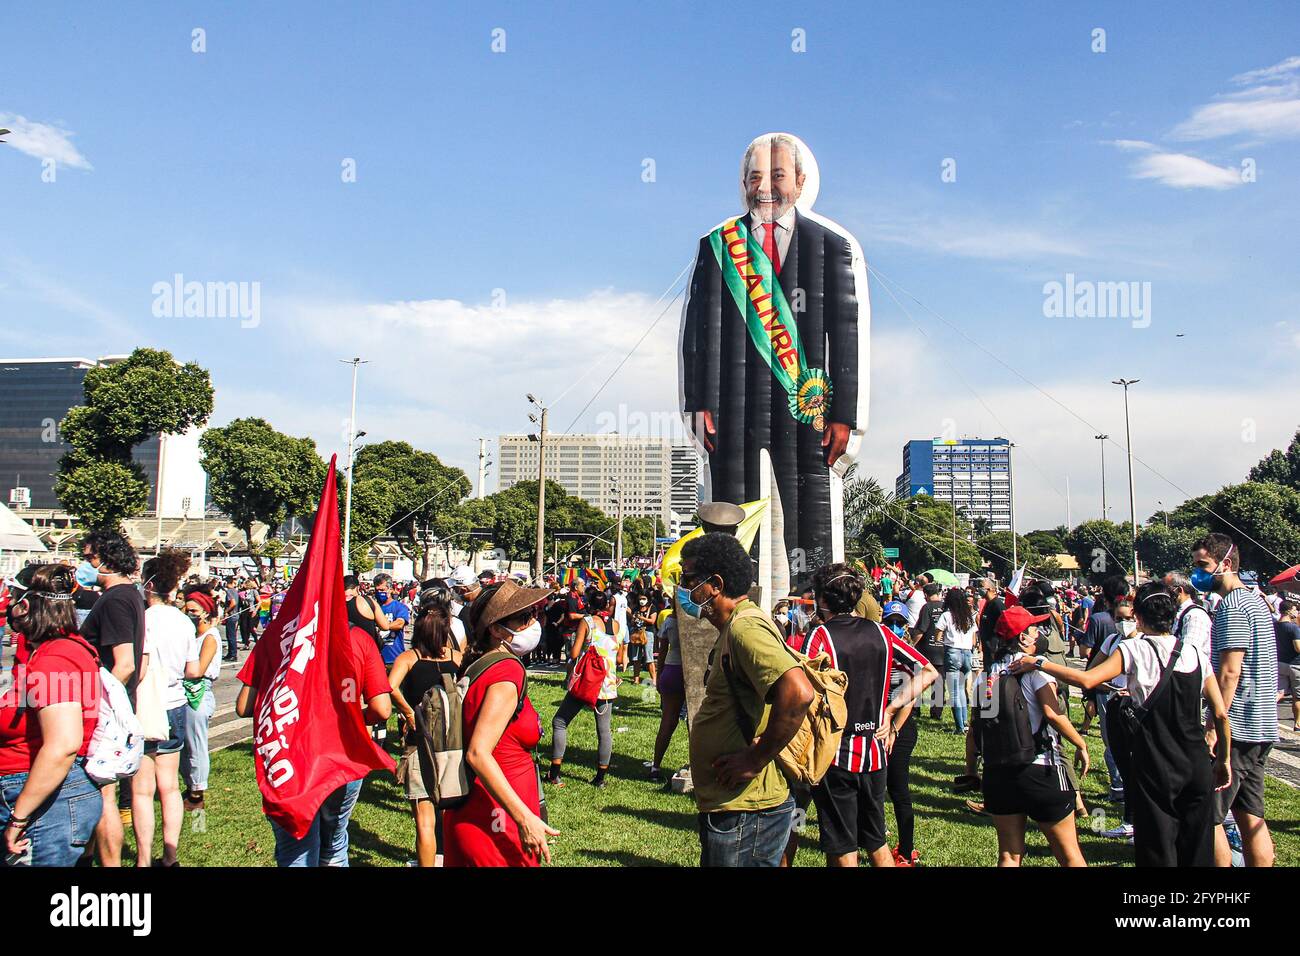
[35, 395]
[973, 474]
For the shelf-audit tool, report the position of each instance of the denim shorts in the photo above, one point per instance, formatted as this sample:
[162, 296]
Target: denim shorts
[175, 734]
[63, 825]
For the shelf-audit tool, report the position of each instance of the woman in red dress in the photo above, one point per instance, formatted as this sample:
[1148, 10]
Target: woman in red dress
[500, 824]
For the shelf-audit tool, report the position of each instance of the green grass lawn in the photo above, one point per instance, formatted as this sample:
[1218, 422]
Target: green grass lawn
[632, 822]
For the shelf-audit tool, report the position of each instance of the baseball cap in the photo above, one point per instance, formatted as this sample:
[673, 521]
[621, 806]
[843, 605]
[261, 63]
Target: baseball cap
[1015, 620]
[462, 577]
[894, 608]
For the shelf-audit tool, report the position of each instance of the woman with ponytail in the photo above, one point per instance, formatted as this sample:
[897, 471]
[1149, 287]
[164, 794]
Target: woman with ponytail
[1170, 779]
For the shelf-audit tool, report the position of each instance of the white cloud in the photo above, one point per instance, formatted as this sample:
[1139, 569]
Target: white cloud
[1268, 110]
[1185, 172]
[444, 373]
[977, 240]
[1178, 170]
[43, 141]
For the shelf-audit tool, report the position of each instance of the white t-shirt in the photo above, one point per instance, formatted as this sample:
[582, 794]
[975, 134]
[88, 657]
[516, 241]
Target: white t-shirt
[458, 632]
[954, 637]
[169, 642]
[915, 601]
[1107, 646]
[1142, 663]
[214, 665]
[1030, 683]
[620, 615]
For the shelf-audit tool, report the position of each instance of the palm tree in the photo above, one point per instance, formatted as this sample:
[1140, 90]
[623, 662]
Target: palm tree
[867, 508]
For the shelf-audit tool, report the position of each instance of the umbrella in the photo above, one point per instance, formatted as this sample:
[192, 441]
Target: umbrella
[946, 578]
[1287, 580]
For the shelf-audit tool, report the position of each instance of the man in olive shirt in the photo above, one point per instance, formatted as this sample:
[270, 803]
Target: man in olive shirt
[746, 810]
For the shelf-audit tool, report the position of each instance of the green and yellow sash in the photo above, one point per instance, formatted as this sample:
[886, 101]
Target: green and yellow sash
[750, 277]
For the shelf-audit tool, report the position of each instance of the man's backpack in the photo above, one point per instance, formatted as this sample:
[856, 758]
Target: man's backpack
[810, 753]
[440, 737]
[1007, 737]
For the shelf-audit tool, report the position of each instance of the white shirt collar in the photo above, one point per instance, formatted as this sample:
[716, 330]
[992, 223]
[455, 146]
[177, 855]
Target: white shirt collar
[786, 222]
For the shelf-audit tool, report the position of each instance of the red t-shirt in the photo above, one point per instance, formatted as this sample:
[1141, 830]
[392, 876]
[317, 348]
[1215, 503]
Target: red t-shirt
[481, 833]
[60, 671]
[366, 664]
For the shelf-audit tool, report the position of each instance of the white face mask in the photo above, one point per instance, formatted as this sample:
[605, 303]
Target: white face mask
[523, 642]
[1127, 627]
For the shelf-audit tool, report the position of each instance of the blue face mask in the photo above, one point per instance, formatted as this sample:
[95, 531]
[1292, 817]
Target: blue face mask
[688, 605]
[87, 574]
[1203, 580]
[898, 629]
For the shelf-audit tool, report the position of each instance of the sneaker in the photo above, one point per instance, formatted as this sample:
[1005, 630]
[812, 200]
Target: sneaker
[906, 861]
[1117, 796]
[656, 775]
[1122, 832]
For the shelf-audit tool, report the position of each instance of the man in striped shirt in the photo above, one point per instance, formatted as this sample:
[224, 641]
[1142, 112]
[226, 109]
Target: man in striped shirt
[1243, 654]
[851, 797]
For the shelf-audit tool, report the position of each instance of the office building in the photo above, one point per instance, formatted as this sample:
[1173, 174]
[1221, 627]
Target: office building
[35, 396]
[973, 474]
[594, 467]
[686, 488]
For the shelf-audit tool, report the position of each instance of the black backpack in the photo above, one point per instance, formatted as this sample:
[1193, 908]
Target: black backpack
[1007, 737]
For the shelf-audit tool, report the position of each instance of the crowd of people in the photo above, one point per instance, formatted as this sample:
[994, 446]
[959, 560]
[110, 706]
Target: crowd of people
[1182, 674]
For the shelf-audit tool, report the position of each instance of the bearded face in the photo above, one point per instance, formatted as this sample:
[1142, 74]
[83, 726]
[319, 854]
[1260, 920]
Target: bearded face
[772, 186]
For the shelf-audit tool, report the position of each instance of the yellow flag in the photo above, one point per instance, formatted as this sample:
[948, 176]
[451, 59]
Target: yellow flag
[670, 568]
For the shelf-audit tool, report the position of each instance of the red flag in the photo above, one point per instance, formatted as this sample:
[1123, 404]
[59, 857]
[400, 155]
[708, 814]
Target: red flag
[309, 737]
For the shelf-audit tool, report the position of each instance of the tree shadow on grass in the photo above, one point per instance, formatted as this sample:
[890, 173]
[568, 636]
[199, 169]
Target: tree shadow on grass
[621, 858]
[673, 820]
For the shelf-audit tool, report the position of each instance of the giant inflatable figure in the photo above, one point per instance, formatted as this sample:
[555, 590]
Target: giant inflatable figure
[774, 360]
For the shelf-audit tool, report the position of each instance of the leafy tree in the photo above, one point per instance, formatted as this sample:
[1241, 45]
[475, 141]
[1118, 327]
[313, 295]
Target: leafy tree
[1102, 548]
[1164, 549]
[1263, 519]
[256, 473]
[1047, 542]
[995, 548]
[926, 539]
[126, 402]
[421, 493]
[1280, 467]
[1190, 514]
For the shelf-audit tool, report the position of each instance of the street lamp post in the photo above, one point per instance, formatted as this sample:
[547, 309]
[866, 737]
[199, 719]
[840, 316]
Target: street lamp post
[1102, 440]
[541, 484]
[1128, 440]
[352, 439]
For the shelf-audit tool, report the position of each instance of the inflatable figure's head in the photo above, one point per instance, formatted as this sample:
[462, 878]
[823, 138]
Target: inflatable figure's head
[777, 172]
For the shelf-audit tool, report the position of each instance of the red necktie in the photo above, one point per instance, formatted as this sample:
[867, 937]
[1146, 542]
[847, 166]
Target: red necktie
[769, 246]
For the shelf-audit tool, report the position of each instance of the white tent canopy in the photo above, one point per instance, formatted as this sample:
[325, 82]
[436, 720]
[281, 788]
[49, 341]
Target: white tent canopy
[16, 534]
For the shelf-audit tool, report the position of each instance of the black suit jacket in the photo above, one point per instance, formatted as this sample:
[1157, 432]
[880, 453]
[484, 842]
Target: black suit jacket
[722, 371]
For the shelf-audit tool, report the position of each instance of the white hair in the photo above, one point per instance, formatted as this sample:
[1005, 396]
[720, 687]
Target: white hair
[772, 141]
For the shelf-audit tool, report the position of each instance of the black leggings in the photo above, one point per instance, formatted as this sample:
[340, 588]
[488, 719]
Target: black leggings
[897, 773]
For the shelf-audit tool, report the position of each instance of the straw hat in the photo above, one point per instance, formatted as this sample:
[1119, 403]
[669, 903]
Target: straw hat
[498, 602]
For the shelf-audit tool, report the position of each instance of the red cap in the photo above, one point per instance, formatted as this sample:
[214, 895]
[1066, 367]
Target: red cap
[1014, 620]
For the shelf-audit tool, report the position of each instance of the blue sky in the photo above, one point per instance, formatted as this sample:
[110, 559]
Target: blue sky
[499, 237]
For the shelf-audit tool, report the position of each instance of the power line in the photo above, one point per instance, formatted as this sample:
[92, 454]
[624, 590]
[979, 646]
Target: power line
[885, 283]
[1151, 468]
